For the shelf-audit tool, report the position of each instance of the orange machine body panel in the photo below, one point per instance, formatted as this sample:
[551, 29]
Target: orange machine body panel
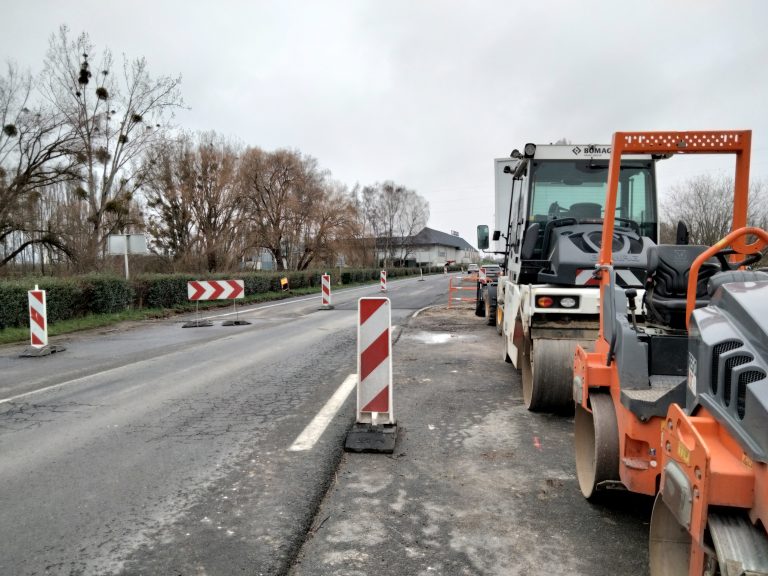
[640, 471]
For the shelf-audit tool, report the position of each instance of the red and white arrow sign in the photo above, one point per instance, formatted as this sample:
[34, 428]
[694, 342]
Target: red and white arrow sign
[215, 289]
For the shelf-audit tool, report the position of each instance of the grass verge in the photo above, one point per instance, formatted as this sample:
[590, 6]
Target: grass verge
[16, 335]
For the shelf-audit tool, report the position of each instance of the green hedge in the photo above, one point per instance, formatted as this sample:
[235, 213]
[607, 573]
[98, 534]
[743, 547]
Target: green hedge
[65, 297]
[102, 294]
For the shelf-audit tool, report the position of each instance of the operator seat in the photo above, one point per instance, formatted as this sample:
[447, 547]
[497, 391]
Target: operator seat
[667, 283]
[585, 211]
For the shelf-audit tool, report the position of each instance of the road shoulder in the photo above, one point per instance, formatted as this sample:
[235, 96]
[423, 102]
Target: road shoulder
[476, 485]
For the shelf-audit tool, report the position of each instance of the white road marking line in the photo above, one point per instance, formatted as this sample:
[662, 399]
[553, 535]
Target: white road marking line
[311, 434]
[286, 302]
[81, 378]
[61, 384]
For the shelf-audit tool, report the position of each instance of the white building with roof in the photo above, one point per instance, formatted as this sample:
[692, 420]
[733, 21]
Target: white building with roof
[427, 248]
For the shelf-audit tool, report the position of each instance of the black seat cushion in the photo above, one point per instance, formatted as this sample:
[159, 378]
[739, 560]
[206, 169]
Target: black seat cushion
[668, 268]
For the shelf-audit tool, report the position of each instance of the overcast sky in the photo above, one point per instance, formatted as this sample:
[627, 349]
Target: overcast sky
[428, 93]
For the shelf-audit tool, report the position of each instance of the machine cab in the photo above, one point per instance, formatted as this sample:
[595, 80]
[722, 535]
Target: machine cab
[554, 196]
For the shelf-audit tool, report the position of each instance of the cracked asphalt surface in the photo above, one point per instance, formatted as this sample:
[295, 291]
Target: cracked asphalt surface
[156, 450]
[152, 450]
[477, 485]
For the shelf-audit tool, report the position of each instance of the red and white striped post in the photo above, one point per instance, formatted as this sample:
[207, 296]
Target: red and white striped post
[374, 362]
[38, 318]
[38, 327]
[326, 292]
[383, 280]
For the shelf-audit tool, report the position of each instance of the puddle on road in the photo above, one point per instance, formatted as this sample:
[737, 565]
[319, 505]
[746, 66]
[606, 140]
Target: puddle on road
[438, 337]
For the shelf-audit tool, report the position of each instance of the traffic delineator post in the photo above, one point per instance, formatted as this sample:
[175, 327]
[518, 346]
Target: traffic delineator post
[375, 429]
[383, 277]
[38, 313]
[421, 275]
[325, 290]
[38, 326]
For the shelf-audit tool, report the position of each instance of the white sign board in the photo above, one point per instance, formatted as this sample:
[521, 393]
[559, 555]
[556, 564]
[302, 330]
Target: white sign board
[118, 244]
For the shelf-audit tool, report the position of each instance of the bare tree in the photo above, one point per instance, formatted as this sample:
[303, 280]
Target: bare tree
[215, 201]
[116, 116]
[194, 201]
[35, 153]
[705, 204]
[166, 189]
[360, 246]
[414, 216]
[270, 182]
[394, 214]
[324, 224]
[293, 208]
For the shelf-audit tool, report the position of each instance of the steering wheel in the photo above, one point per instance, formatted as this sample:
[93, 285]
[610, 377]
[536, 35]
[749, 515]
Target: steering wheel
[725, 264]
[632, 224]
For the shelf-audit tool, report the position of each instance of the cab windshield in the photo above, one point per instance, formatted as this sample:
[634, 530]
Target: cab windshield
[576, 189]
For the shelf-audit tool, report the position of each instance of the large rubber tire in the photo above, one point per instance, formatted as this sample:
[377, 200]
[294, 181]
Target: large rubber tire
[547, 374]
[739, 547]
[490, 307]
[596, 444]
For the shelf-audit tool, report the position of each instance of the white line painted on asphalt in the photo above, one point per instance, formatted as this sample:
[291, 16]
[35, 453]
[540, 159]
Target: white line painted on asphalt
[311, 434]
[61, 384]
[86, 377]
[244, 310]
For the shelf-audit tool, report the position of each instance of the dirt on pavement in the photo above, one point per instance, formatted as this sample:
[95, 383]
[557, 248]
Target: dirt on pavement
[477, 484]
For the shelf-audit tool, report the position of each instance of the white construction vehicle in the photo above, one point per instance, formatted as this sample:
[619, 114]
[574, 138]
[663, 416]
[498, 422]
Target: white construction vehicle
[549, 209]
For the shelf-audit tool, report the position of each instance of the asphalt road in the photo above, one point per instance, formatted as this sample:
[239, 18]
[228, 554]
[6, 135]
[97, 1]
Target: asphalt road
[153, 449]
[477, 485]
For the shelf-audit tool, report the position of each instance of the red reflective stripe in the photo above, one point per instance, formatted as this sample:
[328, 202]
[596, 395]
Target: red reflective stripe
[198, 288]
[38, 295]
[217, 290]
[374, 355]
[36, 341]
[368, 307]
[37, 318]
[236, 287]
[380, 403]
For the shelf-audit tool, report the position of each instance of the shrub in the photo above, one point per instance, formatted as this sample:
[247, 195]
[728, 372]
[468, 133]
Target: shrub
[107, 294]
[103, 294]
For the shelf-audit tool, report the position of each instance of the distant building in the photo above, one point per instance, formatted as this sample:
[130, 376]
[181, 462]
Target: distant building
[259, 259]
[427, 248]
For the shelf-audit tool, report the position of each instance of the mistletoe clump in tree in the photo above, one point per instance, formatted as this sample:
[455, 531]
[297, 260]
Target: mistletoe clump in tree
[117, 113]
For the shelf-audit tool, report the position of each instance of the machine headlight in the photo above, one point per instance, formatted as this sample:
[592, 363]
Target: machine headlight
[568, 302]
